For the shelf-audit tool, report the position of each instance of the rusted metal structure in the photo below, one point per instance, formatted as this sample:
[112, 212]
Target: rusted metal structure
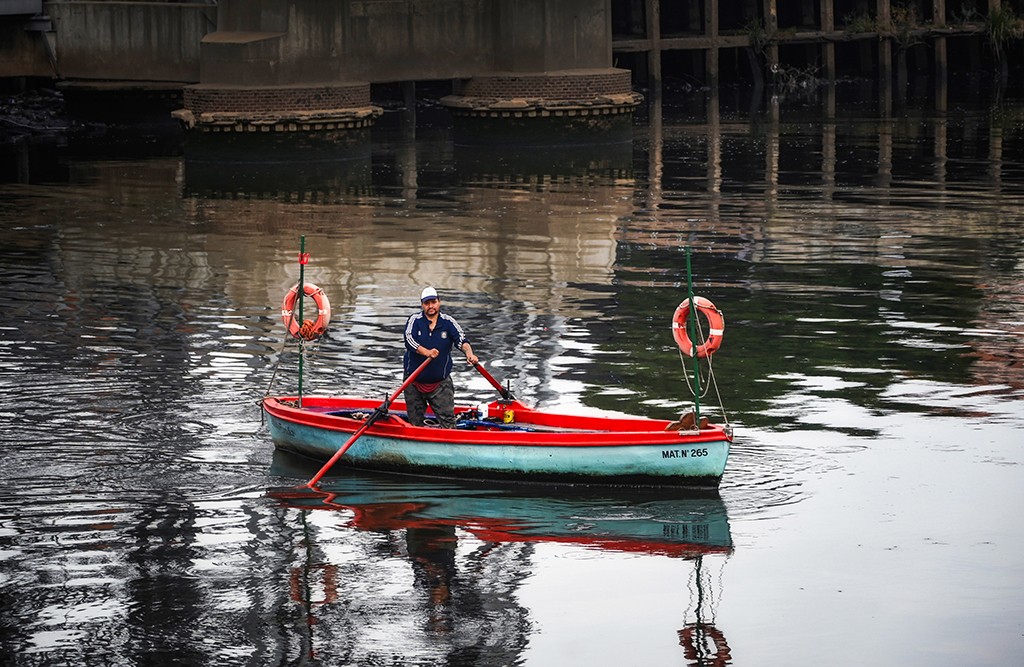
[711, 40]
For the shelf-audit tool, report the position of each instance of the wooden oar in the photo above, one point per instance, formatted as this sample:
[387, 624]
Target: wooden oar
[505, 393]
[378, 412]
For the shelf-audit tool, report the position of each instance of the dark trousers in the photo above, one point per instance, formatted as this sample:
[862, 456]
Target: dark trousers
[441, 401]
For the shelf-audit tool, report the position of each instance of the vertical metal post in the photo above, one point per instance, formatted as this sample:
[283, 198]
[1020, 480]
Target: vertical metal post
[652, 18]
[828, 49]
[940, 56]
[711, 54]
[691, 330]
[771, 26]
[302, 297]
[884, 13]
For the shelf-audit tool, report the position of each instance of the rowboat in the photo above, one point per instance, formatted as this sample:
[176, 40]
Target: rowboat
[504, 440]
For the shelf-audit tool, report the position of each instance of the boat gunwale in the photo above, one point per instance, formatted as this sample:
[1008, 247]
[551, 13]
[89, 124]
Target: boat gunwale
[396, 427]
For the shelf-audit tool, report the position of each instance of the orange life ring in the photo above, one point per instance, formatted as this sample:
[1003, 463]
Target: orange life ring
[309, 329]
[716, 324]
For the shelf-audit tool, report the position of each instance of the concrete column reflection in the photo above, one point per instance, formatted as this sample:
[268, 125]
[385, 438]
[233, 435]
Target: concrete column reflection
[406, 153]
[941, 159]
[714, 133]
[828, 144]
[884, 180]
[656, 147]
[942, 86]
[995, 156]
[771, 157]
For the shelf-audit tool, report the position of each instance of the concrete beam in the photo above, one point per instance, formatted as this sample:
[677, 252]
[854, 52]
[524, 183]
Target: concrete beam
[130, 41]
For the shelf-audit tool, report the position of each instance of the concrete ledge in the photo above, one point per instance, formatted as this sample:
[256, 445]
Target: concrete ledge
[559, 112]
[228, 37]
[95, 85]
[561, 94]
[294, 121]
[535, 107]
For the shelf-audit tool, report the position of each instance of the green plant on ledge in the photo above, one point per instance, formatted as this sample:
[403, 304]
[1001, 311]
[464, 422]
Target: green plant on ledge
[966, 15]
[759, 36]
[1001, 27]
[900, 27]
[902, 24]
[859, 21]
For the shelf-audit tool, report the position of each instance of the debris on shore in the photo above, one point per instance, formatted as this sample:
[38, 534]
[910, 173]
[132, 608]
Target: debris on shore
[34, 112]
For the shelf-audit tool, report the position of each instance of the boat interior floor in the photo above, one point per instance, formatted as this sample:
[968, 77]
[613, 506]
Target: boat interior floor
[470, 420]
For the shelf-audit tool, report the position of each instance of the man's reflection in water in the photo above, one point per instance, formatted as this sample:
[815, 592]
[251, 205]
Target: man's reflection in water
[432, 552]
[470, 596]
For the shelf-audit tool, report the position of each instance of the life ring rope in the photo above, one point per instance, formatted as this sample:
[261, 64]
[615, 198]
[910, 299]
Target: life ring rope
[716, 327]
[308, 329]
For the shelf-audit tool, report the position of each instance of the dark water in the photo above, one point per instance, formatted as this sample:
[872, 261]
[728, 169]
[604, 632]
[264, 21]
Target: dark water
[871, 271]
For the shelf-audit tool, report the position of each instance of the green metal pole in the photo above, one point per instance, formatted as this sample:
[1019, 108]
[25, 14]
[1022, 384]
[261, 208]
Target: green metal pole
[691, 330]
[302, 297]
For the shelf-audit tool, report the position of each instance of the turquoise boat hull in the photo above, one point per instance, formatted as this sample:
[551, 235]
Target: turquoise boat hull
[538, 446]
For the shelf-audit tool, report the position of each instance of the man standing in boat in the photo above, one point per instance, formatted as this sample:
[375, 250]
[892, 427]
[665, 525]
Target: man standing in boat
[430, 333]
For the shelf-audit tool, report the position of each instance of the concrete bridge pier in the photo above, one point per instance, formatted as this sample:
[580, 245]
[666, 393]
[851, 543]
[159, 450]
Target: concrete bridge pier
[531, 69]
[544, 108]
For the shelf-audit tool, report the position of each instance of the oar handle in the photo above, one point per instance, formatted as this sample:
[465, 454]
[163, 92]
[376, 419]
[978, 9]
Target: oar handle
[378, 412]
[505, 393]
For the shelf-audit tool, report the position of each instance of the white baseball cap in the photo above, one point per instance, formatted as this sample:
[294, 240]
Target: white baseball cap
[427, 294]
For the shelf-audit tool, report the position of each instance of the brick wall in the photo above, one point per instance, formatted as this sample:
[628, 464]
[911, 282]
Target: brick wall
[550, 86]
[275, 100]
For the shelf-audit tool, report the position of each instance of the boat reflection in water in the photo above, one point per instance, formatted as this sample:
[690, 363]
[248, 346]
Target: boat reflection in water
[470, 545]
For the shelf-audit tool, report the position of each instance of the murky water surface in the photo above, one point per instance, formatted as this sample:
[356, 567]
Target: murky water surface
[871, 270]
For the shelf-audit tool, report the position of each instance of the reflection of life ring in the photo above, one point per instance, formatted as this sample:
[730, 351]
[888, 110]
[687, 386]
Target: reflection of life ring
[716, 324]
[696, 640]
[300, 583]
[309, 329]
